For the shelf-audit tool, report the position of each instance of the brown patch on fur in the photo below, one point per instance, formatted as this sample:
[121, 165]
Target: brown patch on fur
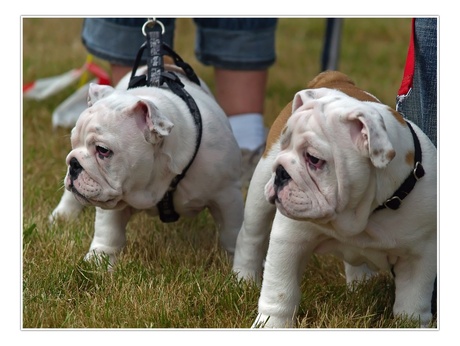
[391, 154]
[410, 158]
[277, 127]
[340, 81]
[397, 116]
[328, 79]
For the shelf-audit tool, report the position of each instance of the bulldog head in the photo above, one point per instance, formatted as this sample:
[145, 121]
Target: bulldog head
[113, 145]
[329, 147]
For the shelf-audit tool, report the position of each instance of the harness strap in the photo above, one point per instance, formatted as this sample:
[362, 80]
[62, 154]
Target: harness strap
[166, 206]
[406, 187]
[155, 56]
[137, 81]
[156, 77]
[188, 70]
[141, 80]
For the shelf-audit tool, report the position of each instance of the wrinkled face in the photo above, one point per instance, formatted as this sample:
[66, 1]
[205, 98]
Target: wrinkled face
[304, 184]
[105, 152]
[324, 164]
[112, 151]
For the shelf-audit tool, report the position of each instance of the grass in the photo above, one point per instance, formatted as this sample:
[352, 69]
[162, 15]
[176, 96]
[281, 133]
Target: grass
[176, 276]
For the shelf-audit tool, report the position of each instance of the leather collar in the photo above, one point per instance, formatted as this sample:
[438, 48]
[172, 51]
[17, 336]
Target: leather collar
[406, 187]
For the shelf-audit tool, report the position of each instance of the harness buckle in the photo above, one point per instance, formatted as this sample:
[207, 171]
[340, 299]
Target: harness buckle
[150, 23]
[418, 171]
[393, 203]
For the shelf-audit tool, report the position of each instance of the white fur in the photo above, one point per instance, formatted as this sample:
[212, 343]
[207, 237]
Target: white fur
[152, 136]
[331, 209]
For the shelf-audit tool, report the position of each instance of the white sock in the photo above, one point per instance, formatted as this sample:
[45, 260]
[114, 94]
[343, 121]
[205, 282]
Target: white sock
[248, 129]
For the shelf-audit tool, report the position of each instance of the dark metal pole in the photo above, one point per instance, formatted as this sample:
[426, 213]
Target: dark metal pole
[331, 48]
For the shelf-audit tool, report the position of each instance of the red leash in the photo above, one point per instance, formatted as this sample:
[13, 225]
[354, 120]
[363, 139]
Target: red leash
[406, 83]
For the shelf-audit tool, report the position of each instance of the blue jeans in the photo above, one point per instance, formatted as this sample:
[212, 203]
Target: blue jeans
[228, 43]
[420, 104]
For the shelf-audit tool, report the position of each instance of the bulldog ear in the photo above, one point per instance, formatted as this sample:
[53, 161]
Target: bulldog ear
[97, 92]
[149, 117]
[302, 97]
[305, 96]
[370, 136]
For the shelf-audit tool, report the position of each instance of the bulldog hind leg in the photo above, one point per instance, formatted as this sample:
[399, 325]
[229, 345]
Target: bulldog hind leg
[414, 289]
[68, 208]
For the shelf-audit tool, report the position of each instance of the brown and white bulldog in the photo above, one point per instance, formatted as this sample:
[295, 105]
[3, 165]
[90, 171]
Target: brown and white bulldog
[337, 160]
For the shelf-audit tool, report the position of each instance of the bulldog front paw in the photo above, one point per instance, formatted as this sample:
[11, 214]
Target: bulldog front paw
[65, 213]
[101, 259]
[260, 321]
[67, 209]
[266, 321]
[244, 274]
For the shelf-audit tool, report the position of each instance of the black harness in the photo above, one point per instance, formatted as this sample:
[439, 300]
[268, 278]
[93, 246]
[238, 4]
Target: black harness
[406, 187]
[156, 77]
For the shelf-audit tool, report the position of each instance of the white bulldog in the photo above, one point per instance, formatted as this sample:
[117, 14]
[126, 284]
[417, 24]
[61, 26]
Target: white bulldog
[129, 145]
[333, 156]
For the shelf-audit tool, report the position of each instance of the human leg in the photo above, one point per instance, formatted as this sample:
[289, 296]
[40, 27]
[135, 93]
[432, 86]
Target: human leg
[241, 51]
[241, 95]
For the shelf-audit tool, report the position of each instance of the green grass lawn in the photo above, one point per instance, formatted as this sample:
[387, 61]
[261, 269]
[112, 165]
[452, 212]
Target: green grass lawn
[175, 275]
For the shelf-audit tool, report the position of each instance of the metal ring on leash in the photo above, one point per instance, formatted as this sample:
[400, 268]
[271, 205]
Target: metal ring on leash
[152, 22]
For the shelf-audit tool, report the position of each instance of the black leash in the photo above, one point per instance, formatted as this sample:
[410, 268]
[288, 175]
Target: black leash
[156, 77]
[155, 67]
[394, 202]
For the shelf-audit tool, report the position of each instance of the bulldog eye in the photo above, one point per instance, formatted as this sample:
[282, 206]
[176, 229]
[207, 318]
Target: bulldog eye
[313, 161]
[103, 152]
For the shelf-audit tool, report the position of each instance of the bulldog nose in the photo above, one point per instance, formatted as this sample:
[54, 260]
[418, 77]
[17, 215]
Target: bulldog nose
[74, 168]
[282, 177]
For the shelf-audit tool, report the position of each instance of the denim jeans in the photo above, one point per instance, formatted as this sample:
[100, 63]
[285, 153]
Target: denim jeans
[420, 104]
[229, 43]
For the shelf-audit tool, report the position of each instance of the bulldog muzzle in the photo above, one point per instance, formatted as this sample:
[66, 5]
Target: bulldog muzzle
[282, 178]
[74, 168]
